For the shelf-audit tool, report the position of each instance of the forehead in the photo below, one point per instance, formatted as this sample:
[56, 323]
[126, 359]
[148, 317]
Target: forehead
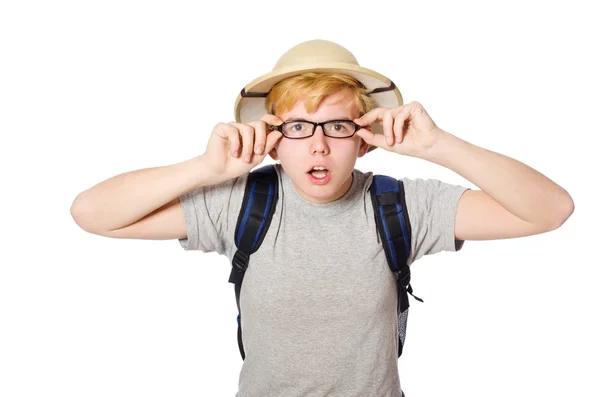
[334, 106]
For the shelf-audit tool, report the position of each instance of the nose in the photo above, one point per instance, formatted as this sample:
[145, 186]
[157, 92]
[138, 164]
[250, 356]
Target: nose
[318, 142]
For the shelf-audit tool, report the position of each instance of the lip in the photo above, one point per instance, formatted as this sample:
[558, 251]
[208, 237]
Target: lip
[319, 164]
[322, 181]
[317, 181]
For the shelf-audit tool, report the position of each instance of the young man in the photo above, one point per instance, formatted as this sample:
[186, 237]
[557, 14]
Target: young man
[319, 302]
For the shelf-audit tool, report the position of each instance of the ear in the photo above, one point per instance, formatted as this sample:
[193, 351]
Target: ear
[363, 148]
[273, 154]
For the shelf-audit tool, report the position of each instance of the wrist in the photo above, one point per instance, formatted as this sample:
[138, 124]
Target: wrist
[445, 147]
[200, 172]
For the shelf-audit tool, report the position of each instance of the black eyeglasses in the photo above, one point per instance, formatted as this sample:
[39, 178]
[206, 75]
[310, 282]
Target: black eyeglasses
[300, 129]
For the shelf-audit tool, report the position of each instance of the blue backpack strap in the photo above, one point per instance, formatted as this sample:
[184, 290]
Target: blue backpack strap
[393, 226]
[258, 206]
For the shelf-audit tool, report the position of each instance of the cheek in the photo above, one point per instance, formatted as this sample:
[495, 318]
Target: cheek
[282, 147]
[287, 151]
[350, 147]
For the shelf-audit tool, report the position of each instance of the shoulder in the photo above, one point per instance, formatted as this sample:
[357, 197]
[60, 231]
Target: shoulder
[427, 197]
[422, 186]
[363, 180]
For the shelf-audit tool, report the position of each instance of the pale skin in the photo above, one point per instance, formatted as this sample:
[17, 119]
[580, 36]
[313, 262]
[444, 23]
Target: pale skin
[298, 156]
[515, 200]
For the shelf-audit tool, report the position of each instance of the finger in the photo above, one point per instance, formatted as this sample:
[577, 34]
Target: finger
[370, 117]
[271, 119]
[372, 138]
[247, 140]
[221, 130]
[260, 136]
[388, 126]
[399, 116]
[233, 136]
[272, 138]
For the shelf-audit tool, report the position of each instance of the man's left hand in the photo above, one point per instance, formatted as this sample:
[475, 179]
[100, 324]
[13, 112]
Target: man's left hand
[407, 129]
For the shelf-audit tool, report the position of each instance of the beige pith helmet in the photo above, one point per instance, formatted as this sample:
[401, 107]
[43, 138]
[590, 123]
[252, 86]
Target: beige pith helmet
[315, 56]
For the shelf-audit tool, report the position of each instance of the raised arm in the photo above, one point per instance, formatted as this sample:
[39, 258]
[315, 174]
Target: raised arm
[144, 204]
[514, 201]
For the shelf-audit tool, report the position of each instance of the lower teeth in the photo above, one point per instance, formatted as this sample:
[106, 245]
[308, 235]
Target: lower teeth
[319, 175]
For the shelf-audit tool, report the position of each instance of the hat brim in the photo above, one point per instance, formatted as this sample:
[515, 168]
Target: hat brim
[249, 108]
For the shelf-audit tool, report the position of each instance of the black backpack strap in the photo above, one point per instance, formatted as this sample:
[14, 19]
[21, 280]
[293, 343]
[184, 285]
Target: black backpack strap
[393, 226]
[258, 206]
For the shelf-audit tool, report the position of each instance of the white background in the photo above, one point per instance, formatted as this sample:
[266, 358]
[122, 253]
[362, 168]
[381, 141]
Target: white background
[89, 90]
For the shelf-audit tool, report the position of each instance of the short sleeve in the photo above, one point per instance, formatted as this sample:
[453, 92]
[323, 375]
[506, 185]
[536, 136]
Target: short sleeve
[210, 214]
[432, 207]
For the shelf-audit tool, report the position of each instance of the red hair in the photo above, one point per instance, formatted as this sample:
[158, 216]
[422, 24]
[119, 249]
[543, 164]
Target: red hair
[313, 88]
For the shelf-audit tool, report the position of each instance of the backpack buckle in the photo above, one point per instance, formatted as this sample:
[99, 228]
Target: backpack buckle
[404, 278]
[240, 260]
[240, 264]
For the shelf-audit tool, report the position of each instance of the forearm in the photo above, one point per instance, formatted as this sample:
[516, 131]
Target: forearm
[520, 189]
[124, 199]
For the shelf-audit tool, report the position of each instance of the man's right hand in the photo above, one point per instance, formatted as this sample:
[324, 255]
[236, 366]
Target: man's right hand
[233, 149]
[144, 203]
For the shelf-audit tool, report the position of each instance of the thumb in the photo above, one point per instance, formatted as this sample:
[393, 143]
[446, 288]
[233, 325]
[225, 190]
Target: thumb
[371, 138]
[272, 138]
[366, 135]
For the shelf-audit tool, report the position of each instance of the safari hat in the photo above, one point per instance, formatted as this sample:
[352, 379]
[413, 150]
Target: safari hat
[315, 56]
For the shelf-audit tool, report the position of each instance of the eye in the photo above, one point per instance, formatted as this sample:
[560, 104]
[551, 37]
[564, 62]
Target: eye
[297, 128]
[339, 127]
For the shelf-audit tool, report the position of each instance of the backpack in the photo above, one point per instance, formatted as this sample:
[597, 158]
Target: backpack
[391, 218]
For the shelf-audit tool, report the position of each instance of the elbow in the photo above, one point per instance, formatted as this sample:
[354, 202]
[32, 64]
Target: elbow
[78, 213]
[82, 214]
[569, 208]
[564, 209]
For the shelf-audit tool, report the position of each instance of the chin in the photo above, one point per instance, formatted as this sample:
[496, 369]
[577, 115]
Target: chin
[322, 194]
[318, 193]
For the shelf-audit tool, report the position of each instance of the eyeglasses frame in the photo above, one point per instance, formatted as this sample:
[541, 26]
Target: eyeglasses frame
[315, 125]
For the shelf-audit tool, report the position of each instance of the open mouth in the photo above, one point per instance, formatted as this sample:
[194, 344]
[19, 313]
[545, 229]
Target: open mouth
[319, 172]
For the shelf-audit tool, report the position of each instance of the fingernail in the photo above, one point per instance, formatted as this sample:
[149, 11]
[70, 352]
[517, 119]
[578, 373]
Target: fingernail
[235, 154]
[258, 150]
[247, 158]
[389, 141]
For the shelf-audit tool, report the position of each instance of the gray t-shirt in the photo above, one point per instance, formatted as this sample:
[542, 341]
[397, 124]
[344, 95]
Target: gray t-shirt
[318, 301]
